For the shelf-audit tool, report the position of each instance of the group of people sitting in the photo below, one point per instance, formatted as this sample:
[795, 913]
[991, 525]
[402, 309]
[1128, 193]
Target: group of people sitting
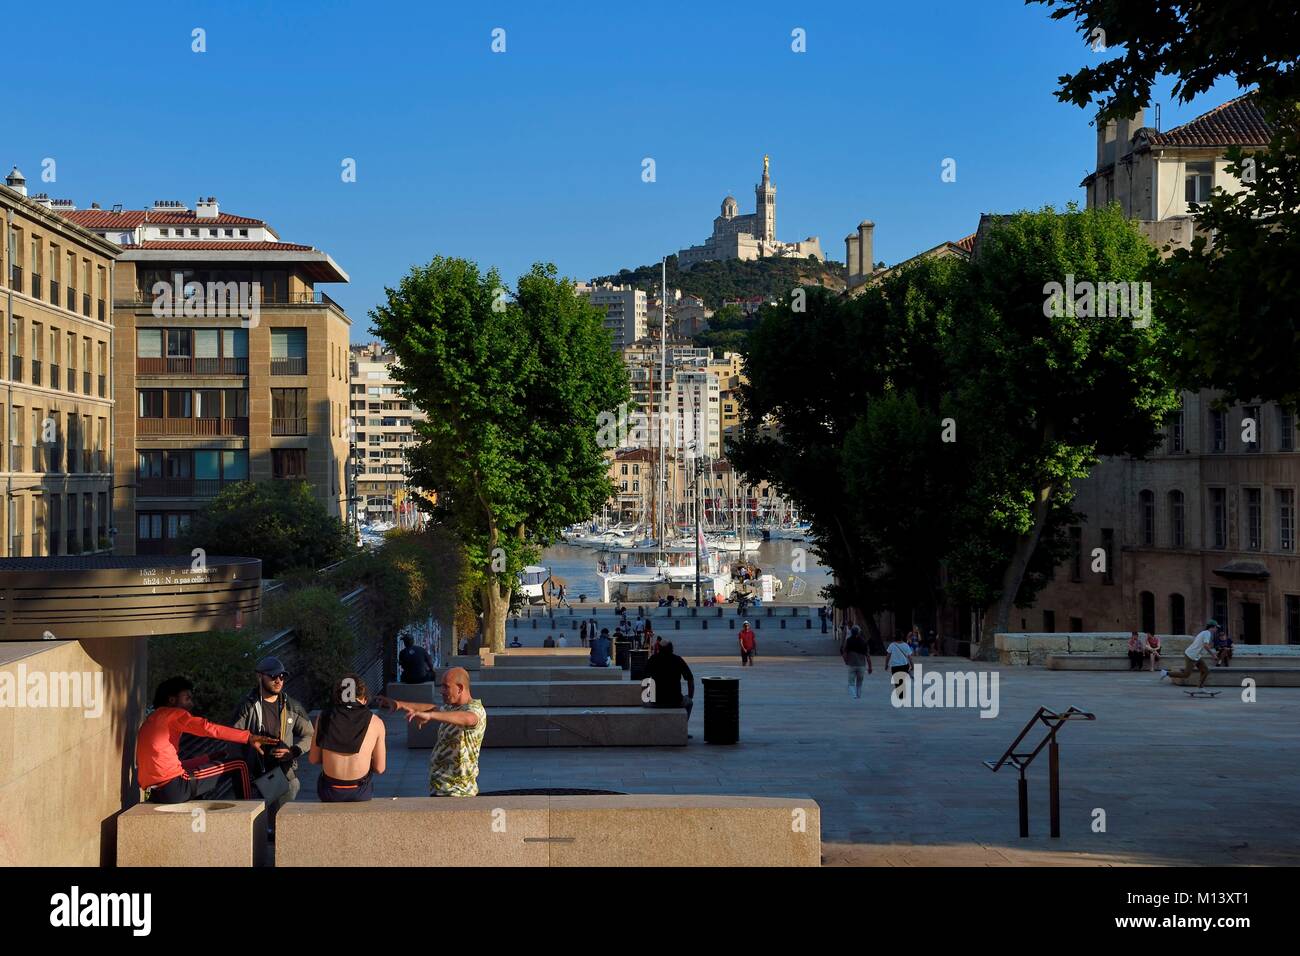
[1144, 648]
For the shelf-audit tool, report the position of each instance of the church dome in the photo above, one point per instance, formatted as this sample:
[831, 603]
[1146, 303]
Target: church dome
[730, 208]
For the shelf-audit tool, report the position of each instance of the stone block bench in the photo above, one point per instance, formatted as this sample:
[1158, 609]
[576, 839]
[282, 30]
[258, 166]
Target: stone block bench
[197, 833]
[1232, 676]
[573, 672]
[624, 830]
[516, 654]
[1119, 662]
[540, 693]
[571, 727]
[550, 659]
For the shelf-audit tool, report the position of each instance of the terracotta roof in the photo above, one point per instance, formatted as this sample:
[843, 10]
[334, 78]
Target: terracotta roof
[1238, 122]
[130, 218]
[209, 245]
[967, 244]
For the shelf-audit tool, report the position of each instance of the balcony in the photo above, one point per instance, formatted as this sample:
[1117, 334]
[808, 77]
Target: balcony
[16, 367]
[186, 365]
[184, 487]
[54, 290]
[289, 426]
[16, 278]
[36, 371]
[85, 310]
[198, 427]
[72, 299]
[289, 366]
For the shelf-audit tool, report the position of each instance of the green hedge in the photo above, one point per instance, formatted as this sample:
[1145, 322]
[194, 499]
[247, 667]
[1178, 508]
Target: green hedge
[219, 663]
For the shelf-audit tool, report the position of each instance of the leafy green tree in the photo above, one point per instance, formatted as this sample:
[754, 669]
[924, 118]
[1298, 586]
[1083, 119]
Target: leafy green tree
[1234, 309]
[281, 522]
[514, 389]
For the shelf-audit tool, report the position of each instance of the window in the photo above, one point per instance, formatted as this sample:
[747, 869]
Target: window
[178, 464]
[1218, 430]
[1198, 181]
[234, 465]
[1108, 548]
[288, 351]
[1076, 554]
[149, 526]
[1218, 518]
[178, 403]
[1285, 430]
[207, 403]
[1049, 622]
[1177, 614]
[207, 345]
[151, 403]
[1219, 605]
[1254, 519]
[1177, 522]
[289, 463]
[178, 343]
[234, 343]
[1147, 517]
[1285, 519]
[1076, 625]
[236, 403]
[1292, 619]
[288, 411]
[1250, 428]
[207, 464]
[1176, 445]
[1147, 611]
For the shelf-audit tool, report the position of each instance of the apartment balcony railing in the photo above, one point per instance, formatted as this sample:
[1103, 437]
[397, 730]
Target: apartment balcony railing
[85, 382]
[265, 298]
[202, 427]
[85, 305]
[186, 365]
[183, 487]
[289, 426]
[289, 366]
[103, 387]
[72, 299]
[16, 278]
[36, 371]
[54, 292]
[16, 367]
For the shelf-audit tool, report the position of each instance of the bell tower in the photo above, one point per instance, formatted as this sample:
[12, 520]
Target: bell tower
[765, 206]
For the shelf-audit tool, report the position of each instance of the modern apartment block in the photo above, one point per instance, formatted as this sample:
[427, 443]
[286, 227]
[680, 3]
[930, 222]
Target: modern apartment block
[625, 308]
[56, 324]
[229, 365]
[383, 419]
[1206, 525]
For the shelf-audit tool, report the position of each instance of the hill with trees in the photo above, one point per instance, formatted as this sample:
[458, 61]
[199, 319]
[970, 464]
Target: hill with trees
[715, 282]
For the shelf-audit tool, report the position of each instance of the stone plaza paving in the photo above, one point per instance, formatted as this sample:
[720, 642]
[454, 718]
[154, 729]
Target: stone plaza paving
[1182, 781]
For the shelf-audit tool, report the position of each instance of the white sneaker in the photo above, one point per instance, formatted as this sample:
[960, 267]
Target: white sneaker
[1163, 674]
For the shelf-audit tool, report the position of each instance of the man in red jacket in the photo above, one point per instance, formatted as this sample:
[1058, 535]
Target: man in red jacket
[747, 643]
[170, 779]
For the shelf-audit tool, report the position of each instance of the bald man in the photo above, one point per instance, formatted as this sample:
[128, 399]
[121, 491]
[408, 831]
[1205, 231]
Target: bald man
[453, 766]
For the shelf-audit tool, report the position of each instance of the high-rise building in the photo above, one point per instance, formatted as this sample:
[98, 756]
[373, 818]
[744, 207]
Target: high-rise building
[625, 311]
[56, 324]
[383, 422]
[229, 365]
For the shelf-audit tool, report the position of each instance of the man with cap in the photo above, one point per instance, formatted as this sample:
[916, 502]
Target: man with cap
[1201, 644]
[270, 711]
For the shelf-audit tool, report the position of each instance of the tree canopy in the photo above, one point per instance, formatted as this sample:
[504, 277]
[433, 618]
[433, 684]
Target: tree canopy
[513, 387]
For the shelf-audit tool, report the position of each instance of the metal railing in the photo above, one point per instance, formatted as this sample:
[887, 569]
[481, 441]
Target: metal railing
[289, 366]
[186, 365]
[205, 427]
[1021, 761]
[183, 487]
[289, 426]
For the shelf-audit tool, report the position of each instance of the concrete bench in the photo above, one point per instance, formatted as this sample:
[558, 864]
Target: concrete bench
[1119, 662]
[549, 673]
[515, 654]
[197, 833]
[571, 727]
[625, 830]
[538, 660]
[540, 693]
[1233, 676]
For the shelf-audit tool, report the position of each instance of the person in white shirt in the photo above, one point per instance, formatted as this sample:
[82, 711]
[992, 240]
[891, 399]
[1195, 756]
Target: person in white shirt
[900, 662]
[562, 641]
[1201, 644]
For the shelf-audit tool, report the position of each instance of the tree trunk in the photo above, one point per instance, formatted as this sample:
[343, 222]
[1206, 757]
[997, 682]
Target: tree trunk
[998, 617]
[496, 607]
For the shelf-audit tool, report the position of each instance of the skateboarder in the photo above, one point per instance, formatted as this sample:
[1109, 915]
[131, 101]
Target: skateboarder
[1201, 644]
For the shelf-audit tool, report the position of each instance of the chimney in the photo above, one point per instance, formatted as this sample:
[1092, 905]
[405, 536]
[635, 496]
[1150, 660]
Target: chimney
[206, 208]
[1124, 132]
[17, 182]
[866, 264]
[65, 205]
[1105, 143]
[168, 205]
[43, 199]
[851, 259]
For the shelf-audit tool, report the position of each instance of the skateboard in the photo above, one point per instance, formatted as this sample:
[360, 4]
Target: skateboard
[1202, 693]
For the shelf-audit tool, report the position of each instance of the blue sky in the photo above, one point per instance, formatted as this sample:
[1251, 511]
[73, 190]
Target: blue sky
[536, 154]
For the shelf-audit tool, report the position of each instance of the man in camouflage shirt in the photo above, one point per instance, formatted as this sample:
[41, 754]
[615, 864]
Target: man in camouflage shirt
[453, 766]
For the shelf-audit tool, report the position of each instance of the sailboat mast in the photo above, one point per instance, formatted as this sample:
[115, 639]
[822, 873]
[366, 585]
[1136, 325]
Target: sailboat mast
[663, 392]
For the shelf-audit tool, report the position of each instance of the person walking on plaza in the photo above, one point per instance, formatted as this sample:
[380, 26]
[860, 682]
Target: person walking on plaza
[857, 657]
[563, 597]
[269, 710]
[453, 765]
[1135, 653]
[1201, 644]
[348, 744]
[900, 656]
[748, 642]
[160, 770]
[1151, 650]
[416, 664]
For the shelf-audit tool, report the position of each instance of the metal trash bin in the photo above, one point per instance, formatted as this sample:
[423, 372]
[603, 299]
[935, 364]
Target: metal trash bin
[636, 664]
[621, 651]
[721, 710]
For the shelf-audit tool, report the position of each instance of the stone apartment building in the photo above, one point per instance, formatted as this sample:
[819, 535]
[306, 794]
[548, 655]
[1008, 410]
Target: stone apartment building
[56, 408]
[228, 364]
[382, 418]
[1206, 525]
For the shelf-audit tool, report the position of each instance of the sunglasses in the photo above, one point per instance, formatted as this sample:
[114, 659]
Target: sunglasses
[283, 675]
